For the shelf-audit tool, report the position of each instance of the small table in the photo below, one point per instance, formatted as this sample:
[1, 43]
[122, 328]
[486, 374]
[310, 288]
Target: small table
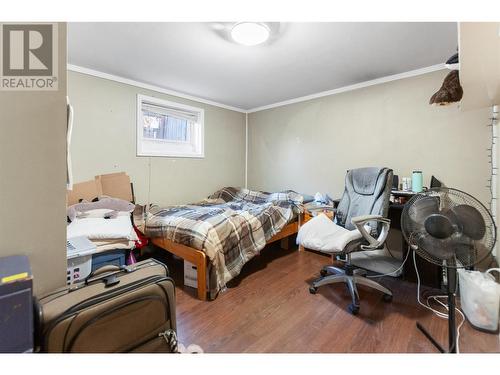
[312, 209]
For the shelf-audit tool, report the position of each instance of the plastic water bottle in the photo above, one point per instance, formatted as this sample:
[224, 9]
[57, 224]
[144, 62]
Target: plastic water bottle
[417, 182]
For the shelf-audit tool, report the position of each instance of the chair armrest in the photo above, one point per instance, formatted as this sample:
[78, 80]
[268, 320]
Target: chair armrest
[366, 218]
[373, 243]
[310, 209]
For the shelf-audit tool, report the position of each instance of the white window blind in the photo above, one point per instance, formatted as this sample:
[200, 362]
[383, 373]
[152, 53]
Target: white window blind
[171, 112]
[168, 129]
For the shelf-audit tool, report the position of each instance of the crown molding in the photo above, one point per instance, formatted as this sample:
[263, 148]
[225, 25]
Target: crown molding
[356, 86]
[147, 86]
[377, 81]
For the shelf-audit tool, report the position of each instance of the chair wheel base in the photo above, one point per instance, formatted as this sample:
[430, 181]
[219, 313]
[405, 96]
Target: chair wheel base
[387, 298]
[313, 289]
[353, 309]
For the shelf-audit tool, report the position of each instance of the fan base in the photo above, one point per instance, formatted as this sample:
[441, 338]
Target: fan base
[452, 330]
[430, 338]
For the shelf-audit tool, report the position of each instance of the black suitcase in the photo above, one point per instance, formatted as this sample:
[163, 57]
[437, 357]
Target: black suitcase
[116, 309]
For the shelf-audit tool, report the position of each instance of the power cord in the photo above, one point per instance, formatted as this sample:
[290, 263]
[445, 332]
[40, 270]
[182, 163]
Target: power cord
[393, 272]
[390, 252]
[436, 298]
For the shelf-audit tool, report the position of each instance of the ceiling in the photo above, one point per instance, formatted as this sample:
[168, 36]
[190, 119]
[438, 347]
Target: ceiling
[299, 59]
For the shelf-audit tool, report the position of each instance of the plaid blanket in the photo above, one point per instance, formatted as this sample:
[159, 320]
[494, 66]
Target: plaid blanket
[231, 226]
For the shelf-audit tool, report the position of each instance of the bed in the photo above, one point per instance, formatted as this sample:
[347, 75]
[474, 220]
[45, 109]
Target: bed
[222, 233]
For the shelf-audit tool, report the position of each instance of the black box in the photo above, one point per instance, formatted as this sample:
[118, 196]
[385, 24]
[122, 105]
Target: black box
[16, 305]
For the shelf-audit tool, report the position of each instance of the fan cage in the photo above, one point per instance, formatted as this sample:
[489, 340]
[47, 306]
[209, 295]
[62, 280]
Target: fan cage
[464, 255]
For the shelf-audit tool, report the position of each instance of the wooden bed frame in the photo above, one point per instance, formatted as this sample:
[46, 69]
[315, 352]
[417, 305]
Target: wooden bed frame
[198, 257]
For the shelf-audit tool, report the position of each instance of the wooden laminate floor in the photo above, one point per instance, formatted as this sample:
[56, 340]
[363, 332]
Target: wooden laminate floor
[269, 309]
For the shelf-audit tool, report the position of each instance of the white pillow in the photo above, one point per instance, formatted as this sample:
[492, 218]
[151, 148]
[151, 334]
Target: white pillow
[322, 234]
[99, 228]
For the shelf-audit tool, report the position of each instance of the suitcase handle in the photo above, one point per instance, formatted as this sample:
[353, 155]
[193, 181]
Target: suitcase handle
[101, 270]
[110, 280]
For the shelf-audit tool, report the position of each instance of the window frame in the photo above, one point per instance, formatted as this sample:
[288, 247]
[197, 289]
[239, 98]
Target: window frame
[198, 127]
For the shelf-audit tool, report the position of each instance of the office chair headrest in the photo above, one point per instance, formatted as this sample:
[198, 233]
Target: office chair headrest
[362, 179]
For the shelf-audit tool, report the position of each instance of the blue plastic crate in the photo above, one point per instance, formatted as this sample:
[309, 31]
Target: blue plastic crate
[112, 257]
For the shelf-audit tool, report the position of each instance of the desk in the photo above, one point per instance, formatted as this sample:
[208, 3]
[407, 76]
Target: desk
[430, 274]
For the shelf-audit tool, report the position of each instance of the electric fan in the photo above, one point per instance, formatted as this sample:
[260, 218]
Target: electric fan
[452, 229]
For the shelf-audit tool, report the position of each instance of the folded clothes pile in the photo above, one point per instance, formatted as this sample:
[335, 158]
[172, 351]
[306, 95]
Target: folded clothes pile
[106, 222]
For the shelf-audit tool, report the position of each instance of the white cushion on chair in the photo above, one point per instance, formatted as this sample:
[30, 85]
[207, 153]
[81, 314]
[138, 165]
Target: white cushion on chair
[322, 234]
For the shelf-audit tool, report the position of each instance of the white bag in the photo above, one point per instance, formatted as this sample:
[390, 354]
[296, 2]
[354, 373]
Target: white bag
[480, 298]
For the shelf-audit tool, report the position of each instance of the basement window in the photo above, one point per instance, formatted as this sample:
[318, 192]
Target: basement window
[169, 129]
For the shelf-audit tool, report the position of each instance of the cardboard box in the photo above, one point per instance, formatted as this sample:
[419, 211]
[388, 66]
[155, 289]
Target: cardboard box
[87, 190]
[116, 185]
[190, 275]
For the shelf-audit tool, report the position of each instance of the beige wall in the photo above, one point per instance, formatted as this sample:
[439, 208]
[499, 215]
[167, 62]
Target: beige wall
[479, 45]
[104, 141]
[33, 177]
[309, 146]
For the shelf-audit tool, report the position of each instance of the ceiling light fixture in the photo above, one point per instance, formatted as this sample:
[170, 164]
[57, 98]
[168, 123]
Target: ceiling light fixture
[250, 33]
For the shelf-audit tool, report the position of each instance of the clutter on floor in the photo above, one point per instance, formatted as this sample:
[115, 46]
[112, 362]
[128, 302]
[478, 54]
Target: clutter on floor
[100, 230]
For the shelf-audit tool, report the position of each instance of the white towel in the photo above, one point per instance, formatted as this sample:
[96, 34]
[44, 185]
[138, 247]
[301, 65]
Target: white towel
[96, 228]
